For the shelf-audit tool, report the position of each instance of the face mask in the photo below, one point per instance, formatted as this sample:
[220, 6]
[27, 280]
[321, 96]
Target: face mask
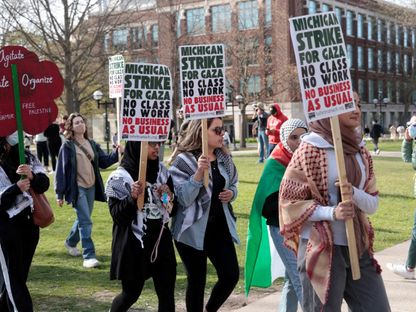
[12, 139]
[412, 130]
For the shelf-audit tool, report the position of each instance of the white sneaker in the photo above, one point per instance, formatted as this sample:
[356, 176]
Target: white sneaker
[401, 269]
[91, 263]
[72, 251]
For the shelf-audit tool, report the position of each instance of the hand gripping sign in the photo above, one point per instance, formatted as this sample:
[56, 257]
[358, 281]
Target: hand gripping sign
[28, 89]
[202, 69]
[146, 110]
[326, 88]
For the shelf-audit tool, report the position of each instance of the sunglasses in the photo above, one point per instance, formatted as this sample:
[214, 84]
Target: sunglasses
[154, 144]
[219, 130]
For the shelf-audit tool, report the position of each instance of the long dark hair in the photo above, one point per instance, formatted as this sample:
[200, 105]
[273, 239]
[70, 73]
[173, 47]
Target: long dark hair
[69, 127]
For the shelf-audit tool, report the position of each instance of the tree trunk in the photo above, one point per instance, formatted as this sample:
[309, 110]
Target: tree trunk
[243, 127]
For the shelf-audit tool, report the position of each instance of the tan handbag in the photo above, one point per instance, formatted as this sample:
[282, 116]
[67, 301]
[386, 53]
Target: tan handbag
[42, 210]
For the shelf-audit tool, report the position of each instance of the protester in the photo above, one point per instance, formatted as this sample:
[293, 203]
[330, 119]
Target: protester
[408, 154]
[79, 182]
[62, 124]
[400, 131]
[393, 132]
[138, 252]
[261, 117]
[227, 139]
[375, 134]
[265, 203]
[19, 236]
[42, 149]
[274, 122]
[366, 131]
[310, 207]
[54, 142]
[204, 226]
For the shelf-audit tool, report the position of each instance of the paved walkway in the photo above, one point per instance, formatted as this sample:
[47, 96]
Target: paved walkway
[400, 292]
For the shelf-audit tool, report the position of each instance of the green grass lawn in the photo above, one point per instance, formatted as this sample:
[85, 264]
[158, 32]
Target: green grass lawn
[58, 282]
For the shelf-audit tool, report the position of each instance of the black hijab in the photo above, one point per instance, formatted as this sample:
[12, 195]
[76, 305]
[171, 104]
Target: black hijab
[131, 162]
[9, 160]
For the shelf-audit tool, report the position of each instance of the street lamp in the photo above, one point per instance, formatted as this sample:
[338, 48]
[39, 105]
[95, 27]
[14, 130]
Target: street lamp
[381, 102]
[240, 99]
[98, 95]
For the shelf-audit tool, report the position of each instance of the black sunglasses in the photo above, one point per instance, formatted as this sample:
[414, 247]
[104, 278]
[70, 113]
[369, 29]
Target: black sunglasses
[219, 130]
[154, 144]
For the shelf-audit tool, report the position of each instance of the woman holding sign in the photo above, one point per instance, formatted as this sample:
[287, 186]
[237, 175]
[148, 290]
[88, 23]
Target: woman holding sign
[142, 243]
[204, 226]
[18, 235]
[312, 219]
[79, 181]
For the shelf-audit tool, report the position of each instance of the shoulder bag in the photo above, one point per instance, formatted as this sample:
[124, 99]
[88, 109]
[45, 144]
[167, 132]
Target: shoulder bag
[42, 210]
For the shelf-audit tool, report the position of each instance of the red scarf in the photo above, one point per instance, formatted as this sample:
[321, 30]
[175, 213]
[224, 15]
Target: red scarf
[281, 154]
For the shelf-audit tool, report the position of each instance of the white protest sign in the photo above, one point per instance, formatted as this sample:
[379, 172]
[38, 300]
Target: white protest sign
[146, 109]
[115, 76]
[202, 69]
[322, 63]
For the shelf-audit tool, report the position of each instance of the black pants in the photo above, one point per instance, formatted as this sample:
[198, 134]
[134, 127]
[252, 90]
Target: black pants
[220, 250]
[18, 240]
[43, 152]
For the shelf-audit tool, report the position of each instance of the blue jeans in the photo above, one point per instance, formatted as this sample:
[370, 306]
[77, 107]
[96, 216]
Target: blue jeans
[264, 144]
[271, 148]
[292, 289]
[411, 255]
[82, 226]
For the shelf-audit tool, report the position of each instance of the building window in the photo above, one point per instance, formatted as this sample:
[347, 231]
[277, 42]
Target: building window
[311, 7]
[370, 90]
[338, 13]
[389, 62]
[350, 53]
[397, 29]
[106, 43]
[138, 37]
[390, 90]
[360, 26]
[252, 49]
[325, 8]
[221, 18]
[267, 12]
[388, 32]
[405, 64]
[398, 92]
[155, 35]
[405, 37]
[269, 85]
[397, 64]
[195, 21]
[413, 38]
[380, 60]
[350, 23]
[370, 58]
[380, 29]
[120, 38]
[253, 86]
[268, 50]
[178, 24]
[370, 26]
[248, 15]
[360, 57]
[361, 89]
[380, 90]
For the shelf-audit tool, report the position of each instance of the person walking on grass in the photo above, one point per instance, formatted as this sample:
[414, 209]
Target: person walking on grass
[204, 226]
[375, 134]
[142, 244]
[312, 218]
[78, 181]
[263, 142]
[407, 270]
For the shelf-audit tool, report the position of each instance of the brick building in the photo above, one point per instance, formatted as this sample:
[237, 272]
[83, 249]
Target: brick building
[260, 61]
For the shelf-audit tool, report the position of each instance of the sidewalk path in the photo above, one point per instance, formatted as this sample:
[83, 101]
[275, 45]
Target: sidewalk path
[399, 291]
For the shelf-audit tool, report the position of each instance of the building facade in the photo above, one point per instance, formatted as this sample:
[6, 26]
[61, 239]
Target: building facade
[260, 60]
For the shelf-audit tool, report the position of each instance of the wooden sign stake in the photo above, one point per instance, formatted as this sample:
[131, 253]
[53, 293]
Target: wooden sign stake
[342, 174]
[204, 126]
[142, 173]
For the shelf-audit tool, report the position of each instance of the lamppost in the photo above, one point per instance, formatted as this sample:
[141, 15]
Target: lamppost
[380, 101]
[240, 99]
[98, 95]
[233, 123]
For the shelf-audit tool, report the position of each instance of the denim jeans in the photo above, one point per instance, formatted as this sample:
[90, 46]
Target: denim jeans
[264, 144]
[271, 148]
[292, 289]
[411, 255]
[82, 227]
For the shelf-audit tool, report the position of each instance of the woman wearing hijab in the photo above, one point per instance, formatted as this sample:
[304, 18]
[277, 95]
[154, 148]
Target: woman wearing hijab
[265, 203]
[312, 218]
[18, 235]
[205, 227]
[142, 243]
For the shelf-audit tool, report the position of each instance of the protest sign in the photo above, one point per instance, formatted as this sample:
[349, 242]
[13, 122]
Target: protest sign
[323, 70]
[202, 70]
[146, 110]
[39, 84]
[115, 76]
[326, 88]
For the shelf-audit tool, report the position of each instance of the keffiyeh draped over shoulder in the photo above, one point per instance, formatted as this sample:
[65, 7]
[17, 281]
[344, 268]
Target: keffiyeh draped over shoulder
[303, 188]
